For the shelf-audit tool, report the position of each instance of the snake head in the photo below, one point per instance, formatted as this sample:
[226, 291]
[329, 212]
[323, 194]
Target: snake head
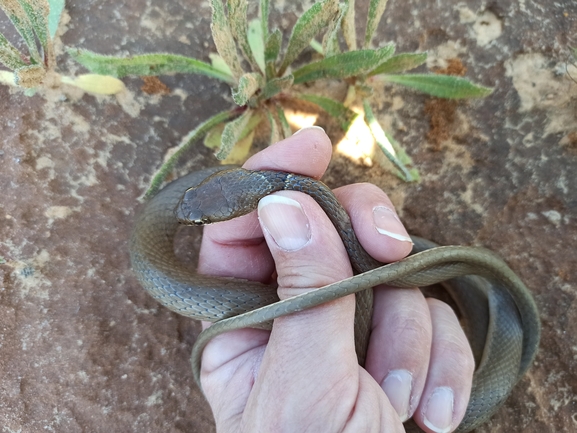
[190, 209]
[222, 196]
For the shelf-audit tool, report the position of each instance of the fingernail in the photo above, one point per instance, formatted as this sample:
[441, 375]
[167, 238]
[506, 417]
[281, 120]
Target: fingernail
[439, 410]
[387, 223]
[398, 385]
[309, 127]
[285, 220]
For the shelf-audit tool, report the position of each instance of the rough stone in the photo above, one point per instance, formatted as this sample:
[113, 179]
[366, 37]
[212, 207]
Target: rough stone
[84, 348]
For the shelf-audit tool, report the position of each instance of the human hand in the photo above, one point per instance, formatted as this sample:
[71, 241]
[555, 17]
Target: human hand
[303, 375]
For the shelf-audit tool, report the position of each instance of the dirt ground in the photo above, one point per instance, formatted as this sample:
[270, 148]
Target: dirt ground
[84, 349]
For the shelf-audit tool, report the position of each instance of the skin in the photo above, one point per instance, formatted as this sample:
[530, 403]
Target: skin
[303, 375]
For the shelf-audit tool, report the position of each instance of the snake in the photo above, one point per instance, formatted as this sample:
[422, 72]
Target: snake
[499, 314]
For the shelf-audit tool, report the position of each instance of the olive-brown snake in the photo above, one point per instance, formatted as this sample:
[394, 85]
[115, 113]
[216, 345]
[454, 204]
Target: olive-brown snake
[500, 315]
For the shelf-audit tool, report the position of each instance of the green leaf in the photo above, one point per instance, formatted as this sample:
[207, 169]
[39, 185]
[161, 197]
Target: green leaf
[272, 47]
[9, 55]
[248, 84]
[219, 64]
[237, 17]
[275, 86]
[256, 43]
[222, 36]
[271, 51]
[317, 46]
[400, 63]
[274, 132]
[376, 9]
[213, 137]
[342, 114]
[37, 11]
[348, 25]
[286, 129]
[145, 65]
[344, 65]
[399, 151]
[21, 22]
[263, 9]
[331, 38]
[232, 134]
[384, 144]
[441, 86]
[56, 9]
[184, 145]
[307, 27]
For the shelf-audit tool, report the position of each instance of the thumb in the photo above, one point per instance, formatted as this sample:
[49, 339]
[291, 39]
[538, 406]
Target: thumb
[309, 351]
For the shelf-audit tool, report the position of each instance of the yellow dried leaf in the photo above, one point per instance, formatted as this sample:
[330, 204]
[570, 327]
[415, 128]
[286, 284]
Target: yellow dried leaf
[94, 83]
[30, 76]
[7, 77]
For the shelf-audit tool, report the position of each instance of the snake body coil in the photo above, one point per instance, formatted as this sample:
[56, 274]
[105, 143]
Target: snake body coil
[500, 315]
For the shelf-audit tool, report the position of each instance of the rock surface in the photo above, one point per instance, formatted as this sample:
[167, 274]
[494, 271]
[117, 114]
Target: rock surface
[84, 348]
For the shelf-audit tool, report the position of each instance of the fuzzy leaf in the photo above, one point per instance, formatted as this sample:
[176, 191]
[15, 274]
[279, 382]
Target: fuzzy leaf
[331, 38]
[222, 36]
[399, 151]
[232, 133]
[213, 137]
[286, 129]
[219, 64]
[240, 151]
[37, 11]
[342, 114]
[184, 145]
[56, 9]
[9, 55]
[307, 27]
[145, 65]
[21, 22]
[376, 9]
[274, 132]
[271, 51]
[275, 86]
[272, 47]
[384, 143]
[344, 65]
[256, 43]
[441, 86]
[237, 17]
[248, 84]
[94, 83]
[348, 25]
[29, 76]
[263, 10]
[400, 63]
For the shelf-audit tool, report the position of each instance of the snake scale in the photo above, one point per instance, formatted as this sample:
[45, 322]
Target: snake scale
[499, 314]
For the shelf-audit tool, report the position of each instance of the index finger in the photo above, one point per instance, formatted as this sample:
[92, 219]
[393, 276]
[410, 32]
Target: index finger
[237, 248]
